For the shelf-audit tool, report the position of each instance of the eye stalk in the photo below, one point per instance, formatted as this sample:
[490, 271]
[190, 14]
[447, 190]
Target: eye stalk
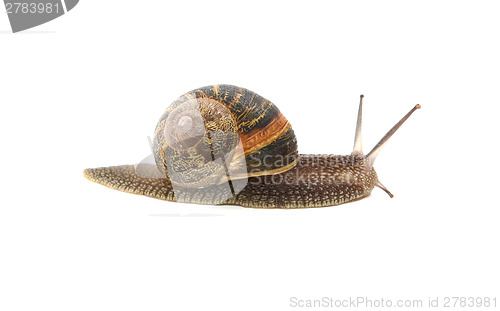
[372, 155]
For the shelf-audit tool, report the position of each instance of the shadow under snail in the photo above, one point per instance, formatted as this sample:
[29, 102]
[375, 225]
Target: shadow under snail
[226, 145]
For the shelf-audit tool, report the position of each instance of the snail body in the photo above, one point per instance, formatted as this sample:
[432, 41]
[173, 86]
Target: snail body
[227, 145]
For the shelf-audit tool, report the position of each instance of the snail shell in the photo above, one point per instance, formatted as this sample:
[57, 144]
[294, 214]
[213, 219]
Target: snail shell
[245, 131]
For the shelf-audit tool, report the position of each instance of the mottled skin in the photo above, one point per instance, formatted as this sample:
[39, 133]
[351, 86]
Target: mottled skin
[316, 181]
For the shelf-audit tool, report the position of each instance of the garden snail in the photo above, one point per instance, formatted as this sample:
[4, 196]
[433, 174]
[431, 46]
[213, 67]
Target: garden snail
[224, 144]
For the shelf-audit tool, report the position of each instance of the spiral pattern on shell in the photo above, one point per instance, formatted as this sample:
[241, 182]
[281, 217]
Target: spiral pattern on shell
[222, 131]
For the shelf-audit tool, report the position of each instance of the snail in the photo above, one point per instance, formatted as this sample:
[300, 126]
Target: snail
[227, 145]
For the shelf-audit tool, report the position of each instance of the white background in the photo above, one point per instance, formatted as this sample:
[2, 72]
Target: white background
[86, 89]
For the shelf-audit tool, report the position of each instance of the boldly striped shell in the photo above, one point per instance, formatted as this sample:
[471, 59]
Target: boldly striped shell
[240, 126]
